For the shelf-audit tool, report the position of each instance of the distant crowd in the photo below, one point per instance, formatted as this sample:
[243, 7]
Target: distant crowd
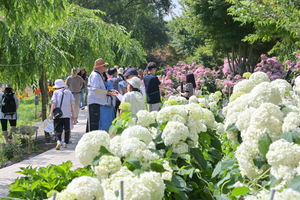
[106, 89]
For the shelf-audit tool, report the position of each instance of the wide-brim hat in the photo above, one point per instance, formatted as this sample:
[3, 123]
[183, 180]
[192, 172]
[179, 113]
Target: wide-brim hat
[135, 82]
[100, 62]
[59, 83]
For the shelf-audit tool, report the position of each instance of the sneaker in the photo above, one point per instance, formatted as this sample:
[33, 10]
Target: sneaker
[58, 146]
[64, 145]
[82, 108]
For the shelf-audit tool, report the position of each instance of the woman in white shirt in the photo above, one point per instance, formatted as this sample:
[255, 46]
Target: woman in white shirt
[134, 95]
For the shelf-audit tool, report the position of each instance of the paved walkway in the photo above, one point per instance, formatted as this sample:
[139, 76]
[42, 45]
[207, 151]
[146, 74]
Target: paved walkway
[8, 175]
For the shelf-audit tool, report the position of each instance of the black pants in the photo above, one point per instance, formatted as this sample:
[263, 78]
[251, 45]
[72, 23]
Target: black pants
[12, 122]
[61, 124]
[93, 118]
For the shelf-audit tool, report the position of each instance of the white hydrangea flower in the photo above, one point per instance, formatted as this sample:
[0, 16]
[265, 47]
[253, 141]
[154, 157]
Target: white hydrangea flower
[212, 97]
[174, 132]
[107, 166]
[139, 132]
[244, 155]
[282, 152]
[89, 145]
[243, 119]
[167, 175]
[220, 129]
[203, 102]
[83, 188]
[194, 111]
[180, 147]
[291, 122]
[166, 113]
[115, 145]
[178, 118]
[259, 77]
[213, 106]
[266, 119]
[238, 105]
[264, 93]
[283, 86]
[244, 86]
[154, 182]
[145, 118]
[193, 99]
[287, 193]
[208, 118]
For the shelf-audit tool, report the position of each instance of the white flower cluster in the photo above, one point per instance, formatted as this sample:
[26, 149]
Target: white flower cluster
[139, 132]
[83, 188]
[284, 159]
[108, 165]
[149, 186]
[89, 145]
[288, 193]
[145, 118]
[174, 132]
[257, 112]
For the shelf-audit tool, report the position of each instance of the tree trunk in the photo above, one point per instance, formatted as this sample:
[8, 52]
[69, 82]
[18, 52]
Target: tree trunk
[44, 92]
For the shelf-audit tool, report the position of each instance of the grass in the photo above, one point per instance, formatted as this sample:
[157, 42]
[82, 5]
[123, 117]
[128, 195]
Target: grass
[27, 113]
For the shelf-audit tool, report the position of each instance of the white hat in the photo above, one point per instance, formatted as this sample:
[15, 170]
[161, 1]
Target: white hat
[59, 83]
[120, 70]
[135, 82]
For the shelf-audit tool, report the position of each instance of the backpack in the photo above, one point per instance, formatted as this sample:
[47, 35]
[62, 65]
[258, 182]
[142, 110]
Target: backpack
[8, 104]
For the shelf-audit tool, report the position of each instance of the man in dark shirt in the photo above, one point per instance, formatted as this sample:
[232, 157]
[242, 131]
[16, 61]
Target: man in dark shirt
[152, 85]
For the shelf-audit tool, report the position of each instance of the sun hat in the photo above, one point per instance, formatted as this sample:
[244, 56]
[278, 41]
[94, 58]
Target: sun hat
[131, 71]
[59, 83]
[100, 62]
[120, 70]
[135, 82]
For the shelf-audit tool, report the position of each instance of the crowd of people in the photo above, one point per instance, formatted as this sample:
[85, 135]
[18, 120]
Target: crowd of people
[106, 89]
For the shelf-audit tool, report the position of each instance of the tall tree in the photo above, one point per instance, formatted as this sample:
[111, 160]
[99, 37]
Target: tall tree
[212, 23]
[142, 18]
[50, 49]
[273, 20]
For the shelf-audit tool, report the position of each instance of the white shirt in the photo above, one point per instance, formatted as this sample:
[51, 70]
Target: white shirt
[136, 101]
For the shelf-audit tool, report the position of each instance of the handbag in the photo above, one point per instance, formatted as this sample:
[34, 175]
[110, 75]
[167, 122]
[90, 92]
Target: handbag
[57, 112]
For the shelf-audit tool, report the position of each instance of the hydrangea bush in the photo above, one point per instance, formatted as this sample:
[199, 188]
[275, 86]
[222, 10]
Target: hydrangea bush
[162, 155]
[262, 123]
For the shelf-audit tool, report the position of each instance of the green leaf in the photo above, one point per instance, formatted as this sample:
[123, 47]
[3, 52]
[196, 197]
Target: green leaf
[238, 191]
[157, 167]
[104, 151]
[232, 127]
[259, 161]
[138, 172]
[171, 186]
[264, 144]
[295, 183]
[134, 162]
[178, 181]
[217, 170]
[290, 136]
[199, 157]
[34, 185]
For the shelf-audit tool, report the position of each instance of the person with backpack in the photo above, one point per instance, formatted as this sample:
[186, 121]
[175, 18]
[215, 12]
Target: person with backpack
[9, 106]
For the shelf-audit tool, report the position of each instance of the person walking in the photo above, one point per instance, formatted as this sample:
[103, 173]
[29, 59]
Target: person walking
[75, 83]
[96, 94]
[9, 106]
[63, 99]
[134, 96]
[152, 85]
[82, 74]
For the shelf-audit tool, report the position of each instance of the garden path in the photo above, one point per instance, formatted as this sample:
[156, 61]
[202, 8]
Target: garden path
[8, 174]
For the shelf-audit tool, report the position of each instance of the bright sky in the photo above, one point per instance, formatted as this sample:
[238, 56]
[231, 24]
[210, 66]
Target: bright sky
[176, 11]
